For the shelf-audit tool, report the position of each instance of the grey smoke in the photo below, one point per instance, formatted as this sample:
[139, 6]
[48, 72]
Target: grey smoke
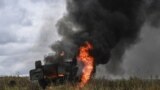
[143, 59]
[153, 12]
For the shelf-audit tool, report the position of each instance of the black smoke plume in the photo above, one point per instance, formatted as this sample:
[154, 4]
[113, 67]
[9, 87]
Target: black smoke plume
[110, 26]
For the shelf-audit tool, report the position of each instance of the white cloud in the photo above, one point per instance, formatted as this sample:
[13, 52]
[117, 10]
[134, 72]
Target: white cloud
[21, 27]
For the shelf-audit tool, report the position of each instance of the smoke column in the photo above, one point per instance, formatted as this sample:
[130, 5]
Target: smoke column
[111, 26]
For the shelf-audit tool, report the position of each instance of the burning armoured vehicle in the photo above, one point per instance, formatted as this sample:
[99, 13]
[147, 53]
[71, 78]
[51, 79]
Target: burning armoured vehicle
[55, 70]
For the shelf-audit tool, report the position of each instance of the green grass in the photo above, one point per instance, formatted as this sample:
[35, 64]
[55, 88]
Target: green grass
[23, 83]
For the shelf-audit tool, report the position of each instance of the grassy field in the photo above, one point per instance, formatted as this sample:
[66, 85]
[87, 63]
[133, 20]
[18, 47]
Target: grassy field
[23, 83]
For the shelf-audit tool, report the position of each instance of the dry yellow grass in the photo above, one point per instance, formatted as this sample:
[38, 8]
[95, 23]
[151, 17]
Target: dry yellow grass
[23, 83]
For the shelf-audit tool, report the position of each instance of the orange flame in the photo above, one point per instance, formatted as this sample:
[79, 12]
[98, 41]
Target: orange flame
[88, 62]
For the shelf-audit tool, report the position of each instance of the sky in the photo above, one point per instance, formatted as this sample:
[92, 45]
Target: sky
[24, 27]
[28, 28]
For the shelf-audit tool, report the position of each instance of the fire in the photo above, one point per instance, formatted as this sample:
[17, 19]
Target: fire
[88, 62]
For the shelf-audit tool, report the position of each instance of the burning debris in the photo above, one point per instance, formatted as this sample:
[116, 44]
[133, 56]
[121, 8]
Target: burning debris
[108, 26]
[57, 70]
